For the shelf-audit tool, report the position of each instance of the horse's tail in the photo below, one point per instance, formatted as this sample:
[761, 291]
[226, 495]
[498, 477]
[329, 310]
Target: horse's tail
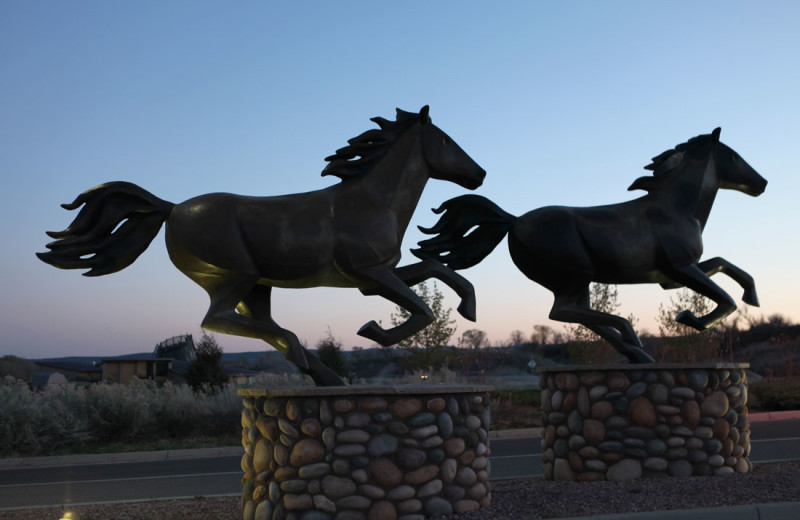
[115, 226]
[469, 230]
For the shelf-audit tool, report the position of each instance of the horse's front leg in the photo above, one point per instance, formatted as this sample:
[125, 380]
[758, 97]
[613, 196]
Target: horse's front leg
[745, 281]
[716, 265]
[694, 277]
[416, 273]
[384, 282]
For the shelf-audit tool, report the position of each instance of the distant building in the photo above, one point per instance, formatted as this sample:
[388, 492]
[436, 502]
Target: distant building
[43, 380]
[74, 371]
[124, 370]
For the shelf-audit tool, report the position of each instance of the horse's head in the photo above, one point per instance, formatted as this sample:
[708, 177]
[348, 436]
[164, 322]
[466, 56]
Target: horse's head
[733, 172]
[446, 159]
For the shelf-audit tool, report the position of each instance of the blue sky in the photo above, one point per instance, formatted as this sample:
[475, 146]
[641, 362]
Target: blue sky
[561, 103]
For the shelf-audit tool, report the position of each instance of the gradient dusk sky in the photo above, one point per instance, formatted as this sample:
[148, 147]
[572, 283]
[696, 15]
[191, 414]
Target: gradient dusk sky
[561, 103]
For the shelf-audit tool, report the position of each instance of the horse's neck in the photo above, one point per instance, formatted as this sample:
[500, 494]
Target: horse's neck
[397, 182]
[707, 193]
[692, 192]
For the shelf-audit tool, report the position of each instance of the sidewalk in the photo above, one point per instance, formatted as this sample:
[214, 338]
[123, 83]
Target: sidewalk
[778, 511]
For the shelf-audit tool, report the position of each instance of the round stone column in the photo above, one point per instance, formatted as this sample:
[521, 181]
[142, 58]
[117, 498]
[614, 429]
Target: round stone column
[631, 421]
[365, 452]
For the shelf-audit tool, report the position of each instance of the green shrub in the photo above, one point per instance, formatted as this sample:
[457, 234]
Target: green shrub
[774, 395]
[516, 408]
[520, 396]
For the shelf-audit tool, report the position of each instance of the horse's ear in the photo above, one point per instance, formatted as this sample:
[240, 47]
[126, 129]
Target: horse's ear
[642, 183]
[715, 134]
[423, 115]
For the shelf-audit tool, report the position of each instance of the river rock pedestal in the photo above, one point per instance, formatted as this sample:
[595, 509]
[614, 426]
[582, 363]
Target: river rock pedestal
[625, 422]
[365, 452]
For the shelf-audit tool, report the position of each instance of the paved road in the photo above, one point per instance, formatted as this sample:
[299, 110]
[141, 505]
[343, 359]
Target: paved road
[511, 458]
[122, 482]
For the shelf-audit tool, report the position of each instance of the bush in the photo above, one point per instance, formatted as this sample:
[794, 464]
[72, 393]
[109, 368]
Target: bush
[70, 418]
[205, 372]
[520, 396]
[516, 408]
[329, 351]
[775, 395]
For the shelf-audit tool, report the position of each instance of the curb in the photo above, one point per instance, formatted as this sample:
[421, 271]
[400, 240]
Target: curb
[774, 416]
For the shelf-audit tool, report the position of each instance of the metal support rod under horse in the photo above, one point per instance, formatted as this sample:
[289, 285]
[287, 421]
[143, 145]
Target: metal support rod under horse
[238, 247]
[653, 239]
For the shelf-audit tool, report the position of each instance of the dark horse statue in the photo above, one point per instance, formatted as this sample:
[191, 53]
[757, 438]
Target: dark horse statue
[653, 239]
[238, 248]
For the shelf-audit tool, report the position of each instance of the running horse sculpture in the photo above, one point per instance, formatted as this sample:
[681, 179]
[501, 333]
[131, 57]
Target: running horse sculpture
[653, 239]
[238, 248]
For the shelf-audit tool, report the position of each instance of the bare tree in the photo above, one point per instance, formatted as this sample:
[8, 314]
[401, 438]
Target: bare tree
[427, 347]
[473, 339]
[517, 337]
[680, 343]
[542, 334]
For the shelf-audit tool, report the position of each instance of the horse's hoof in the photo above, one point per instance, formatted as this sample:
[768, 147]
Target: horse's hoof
[640, 356]
[321, 374]
[467, 309]
[751, 298]
[326, 378]
[374, 332]
[690, 320]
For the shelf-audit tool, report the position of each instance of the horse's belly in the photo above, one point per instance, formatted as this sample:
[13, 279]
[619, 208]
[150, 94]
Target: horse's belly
[552, 244]
[325, 277]
[547, 239]
[263, 236]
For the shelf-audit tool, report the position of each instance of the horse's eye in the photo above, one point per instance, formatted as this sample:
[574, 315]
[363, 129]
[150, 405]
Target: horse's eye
[445, 141]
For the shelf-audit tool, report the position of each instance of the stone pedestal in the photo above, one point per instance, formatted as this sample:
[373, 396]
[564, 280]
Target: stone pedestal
[364, 452]
[630, 421]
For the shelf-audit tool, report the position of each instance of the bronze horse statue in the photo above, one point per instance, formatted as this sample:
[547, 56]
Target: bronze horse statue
[238, 247]
[653, 239]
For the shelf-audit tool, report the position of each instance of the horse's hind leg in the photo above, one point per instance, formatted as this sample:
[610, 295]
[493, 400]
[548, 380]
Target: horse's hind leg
[242, 292]
[634, 353]
[573, 307]
[257, 306]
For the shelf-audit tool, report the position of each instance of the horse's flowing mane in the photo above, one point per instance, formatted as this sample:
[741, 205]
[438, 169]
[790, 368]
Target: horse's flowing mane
[669, 161]
[355, 159]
